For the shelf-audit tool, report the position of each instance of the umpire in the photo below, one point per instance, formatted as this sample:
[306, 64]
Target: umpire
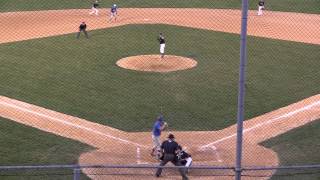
[83, 28]
[169, 148]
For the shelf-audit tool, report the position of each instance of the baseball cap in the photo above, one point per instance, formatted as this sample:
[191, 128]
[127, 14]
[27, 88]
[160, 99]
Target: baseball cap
[171, 136]
[160, 118]
[114, 5]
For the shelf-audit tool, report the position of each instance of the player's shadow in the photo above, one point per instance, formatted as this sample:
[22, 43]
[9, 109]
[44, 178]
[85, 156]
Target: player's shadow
[192, 56]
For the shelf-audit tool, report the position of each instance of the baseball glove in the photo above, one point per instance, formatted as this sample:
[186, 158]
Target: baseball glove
[165, 126]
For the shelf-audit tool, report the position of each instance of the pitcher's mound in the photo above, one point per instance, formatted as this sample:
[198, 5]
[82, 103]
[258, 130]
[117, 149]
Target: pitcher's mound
[153, 63]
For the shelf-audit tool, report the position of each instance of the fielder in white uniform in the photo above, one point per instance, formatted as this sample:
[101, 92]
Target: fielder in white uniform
[162, 44]
[94, 8]
[260, 7]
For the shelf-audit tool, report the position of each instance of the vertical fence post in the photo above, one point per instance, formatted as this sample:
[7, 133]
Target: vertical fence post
[76, 174]
[241, 93]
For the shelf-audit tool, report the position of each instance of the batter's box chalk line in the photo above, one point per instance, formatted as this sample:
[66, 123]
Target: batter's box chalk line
[213, 149]
[139, 157]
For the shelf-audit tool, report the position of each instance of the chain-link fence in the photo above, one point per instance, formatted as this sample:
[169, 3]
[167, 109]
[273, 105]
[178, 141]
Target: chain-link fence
[147, 172]
[92, 77]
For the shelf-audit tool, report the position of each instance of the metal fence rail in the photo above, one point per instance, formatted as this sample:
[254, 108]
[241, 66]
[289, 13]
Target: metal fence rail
[250, 171]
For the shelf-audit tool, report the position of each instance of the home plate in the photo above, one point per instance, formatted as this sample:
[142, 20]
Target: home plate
[146, 19]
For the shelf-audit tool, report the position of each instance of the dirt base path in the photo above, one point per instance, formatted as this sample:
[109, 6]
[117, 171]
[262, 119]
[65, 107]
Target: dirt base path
[278, 25]
[209, 148]
[118, 147]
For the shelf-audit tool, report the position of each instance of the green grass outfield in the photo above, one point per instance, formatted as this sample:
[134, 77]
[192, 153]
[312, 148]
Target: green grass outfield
[305, 6]
[80, 78]
[22, 145]
[297, 147]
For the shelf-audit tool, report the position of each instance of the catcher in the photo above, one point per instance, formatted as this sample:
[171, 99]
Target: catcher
[159, 126]
[184, 157]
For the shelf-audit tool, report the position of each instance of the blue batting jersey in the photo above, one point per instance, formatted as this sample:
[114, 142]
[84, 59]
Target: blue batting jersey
[114, 9]
[156, 130]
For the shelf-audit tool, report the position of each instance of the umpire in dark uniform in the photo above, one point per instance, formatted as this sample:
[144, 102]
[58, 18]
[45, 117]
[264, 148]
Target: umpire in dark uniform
[169, 148]
[83, 28]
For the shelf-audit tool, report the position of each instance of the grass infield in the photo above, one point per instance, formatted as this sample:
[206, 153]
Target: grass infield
[80, 78]
[303, 6]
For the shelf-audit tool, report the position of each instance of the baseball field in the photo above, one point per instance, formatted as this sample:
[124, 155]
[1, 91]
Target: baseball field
[92, 111]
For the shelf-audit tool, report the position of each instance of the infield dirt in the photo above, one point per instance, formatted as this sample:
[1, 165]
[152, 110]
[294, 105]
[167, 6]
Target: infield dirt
[208, 148]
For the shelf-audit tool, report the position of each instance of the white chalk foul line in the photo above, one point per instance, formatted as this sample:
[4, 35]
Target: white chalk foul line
[266, 122]
[72, 124]
[139, 157]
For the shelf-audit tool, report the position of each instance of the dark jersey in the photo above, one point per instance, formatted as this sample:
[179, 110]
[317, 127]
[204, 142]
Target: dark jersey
[169, 147]
[82, 27]
[261, 3]
[95, 5]
[161, 40]
[113, 9]
[182, 156]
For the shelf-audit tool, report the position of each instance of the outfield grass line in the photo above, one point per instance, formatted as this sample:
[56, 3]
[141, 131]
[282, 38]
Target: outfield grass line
[265, 123]
[72, 124]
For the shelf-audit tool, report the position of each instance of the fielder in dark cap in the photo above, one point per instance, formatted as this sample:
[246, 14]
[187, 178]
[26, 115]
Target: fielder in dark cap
[82, 27]
[162, 44]
[169, 149]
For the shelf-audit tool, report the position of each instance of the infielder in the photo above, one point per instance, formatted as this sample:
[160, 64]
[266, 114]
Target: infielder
[158, 126]
[113, 13]
[162, 44]
[83, 28]
[94, 9]
[260, 7]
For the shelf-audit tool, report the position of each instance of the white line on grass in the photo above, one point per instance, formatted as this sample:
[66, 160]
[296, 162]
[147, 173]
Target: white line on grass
[72, 124]
[266, 122]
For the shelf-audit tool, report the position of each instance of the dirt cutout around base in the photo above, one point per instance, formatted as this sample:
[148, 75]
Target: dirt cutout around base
[154, 63]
